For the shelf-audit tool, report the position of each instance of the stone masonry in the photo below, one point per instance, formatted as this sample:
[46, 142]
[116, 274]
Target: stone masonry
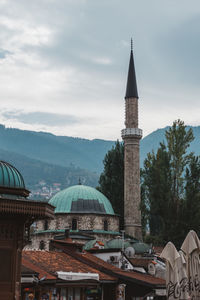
[131, 136]
[63, 221]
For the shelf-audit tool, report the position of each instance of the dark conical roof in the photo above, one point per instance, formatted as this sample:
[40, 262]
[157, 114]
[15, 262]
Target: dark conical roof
[131, 87]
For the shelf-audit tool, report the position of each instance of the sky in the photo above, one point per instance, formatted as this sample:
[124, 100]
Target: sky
[64, 64]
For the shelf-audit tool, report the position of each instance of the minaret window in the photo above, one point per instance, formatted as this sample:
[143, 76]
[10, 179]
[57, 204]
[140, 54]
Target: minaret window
[74, 224]
[46, 225]
[105, 225]
[42, 245]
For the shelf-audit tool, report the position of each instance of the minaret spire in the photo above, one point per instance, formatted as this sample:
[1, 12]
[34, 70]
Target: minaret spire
[131, 87]
[131, 136]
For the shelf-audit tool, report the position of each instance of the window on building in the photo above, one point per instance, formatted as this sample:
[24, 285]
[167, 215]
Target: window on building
[42, 245]
[105, 225]
[74, 224]
[46, 224]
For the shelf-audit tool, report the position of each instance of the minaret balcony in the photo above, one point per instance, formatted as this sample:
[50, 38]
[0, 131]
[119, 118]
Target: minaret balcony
[135, 132]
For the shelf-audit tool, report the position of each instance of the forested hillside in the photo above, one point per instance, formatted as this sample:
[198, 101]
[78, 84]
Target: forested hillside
[47, 160]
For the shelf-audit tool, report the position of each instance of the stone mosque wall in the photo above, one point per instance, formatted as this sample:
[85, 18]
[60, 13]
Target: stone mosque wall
[63, 221]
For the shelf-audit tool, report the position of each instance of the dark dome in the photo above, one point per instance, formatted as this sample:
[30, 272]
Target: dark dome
[11, 181]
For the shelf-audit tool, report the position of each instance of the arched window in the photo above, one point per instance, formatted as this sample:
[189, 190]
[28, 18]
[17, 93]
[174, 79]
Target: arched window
[45, 224]
[42, 245]
[105, 225]
[74, 224]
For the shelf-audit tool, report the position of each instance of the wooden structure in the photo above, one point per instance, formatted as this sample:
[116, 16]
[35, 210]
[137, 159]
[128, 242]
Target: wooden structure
[16, 215]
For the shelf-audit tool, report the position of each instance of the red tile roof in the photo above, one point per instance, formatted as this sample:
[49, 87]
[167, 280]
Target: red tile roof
[53, 262]
[129, 274]
[42, 273]
[101, 265]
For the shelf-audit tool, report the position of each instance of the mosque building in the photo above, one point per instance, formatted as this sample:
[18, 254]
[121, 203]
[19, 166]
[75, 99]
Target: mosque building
[86, 212]
[82, 209]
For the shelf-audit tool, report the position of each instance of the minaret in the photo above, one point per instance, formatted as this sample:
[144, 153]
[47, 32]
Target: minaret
[131, 136]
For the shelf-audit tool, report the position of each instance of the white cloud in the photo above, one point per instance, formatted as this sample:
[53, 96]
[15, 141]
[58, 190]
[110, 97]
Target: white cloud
[71, 57]
[102, 60]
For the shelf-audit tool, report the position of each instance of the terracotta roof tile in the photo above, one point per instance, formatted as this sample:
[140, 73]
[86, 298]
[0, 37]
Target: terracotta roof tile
[42, 273]
[140, 262]
[53, 262]
[129, 274]
[101, 265]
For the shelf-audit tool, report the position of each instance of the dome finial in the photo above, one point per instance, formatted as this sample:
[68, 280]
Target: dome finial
[79, 181]
[131, 44]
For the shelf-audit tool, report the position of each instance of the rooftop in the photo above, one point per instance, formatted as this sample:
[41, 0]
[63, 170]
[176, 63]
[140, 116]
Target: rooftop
[48, 263]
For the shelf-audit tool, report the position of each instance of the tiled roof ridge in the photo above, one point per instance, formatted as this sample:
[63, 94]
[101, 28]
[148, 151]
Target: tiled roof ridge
[85, 260]
[124, 272]
[112, 270]
[66, 257]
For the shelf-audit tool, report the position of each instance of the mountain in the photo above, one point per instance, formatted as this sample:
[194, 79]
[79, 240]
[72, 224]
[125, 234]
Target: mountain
[45, 179]
[49, 163]
[152, 141]
[59, 150]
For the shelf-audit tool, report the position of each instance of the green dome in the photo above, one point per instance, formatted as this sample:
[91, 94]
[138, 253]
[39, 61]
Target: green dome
[141, 247]
[10, 176]
[90, 244]
[81, 199]
[117, 244]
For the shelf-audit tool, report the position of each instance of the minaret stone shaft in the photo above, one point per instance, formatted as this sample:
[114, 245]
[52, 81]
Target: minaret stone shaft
[131, 136]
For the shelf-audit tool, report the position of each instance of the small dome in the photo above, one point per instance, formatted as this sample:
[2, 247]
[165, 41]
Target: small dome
[81, 199]
[140, 247]
[91, 244]
[118, 244]
[10, 177]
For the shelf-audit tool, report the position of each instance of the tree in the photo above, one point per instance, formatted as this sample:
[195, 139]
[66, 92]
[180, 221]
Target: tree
[111, 181]
[156, 192]
[178, 141]
[163, 184]
[192, 196]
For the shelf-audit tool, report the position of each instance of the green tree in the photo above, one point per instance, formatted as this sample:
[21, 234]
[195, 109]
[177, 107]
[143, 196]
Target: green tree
[192, 196]
[178, 141]
[111, 181]
[156, 192]
[163, 182]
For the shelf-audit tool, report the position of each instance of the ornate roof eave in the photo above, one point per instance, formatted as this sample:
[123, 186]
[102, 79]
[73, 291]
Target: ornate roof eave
[26, 208]
[14, 191]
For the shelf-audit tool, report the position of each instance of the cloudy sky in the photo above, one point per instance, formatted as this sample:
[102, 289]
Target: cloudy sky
[64, 63]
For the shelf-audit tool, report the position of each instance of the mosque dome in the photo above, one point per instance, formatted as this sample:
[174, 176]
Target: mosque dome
[117, 243]
[11, 181]
[137, 246]
[81, 199]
